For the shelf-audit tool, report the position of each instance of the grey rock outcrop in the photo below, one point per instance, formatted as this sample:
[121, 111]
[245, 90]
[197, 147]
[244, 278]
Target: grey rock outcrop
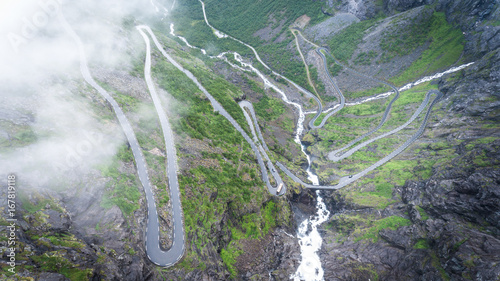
[403, 5]
[475, 19]
[455, 214]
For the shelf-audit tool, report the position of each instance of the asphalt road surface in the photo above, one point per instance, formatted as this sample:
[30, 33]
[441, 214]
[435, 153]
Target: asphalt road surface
[260, 140]
[218, 108]
[152, 246]
[386, 112]
[342, 98]
[348, 180]
[155, 253]
[332, 155]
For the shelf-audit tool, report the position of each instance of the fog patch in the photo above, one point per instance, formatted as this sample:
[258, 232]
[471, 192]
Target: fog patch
[71, 139]
[40, 81]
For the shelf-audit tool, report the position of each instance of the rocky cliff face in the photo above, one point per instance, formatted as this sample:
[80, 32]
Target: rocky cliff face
[394, 6]
[443, 227]
[453, 231]
[478, 20]
[90, 225]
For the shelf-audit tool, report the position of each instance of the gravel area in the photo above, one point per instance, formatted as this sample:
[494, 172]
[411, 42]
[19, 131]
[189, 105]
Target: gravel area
[323, 31]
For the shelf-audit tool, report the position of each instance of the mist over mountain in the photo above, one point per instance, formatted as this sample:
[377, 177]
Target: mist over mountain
[390, 108]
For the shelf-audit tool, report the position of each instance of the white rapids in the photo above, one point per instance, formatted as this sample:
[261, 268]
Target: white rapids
[172, 32]
[402, 89]
[310, 240]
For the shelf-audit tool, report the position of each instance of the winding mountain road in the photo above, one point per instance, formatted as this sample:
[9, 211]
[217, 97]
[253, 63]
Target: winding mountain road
[260, 139]
[332, 156]
[254, 125]
[342, 98]
[387, 109]
[305, 63]
[175, 253]
[319, 51]
[258, 144]
[155, 254]
[218, 108]
[347, 180]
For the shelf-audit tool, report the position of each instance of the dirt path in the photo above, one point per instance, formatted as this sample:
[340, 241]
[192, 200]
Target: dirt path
[305, 64]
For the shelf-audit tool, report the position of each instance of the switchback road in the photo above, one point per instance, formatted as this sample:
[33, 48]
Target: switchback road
[175, 253]
[348, 153]
[152, 247]
[218, 108]
[348, 180]
[260, 139]
[342, 98]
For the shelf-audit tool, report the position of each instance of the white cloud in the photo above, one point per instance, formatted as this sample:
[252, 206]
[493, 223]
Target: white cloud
[40, 65]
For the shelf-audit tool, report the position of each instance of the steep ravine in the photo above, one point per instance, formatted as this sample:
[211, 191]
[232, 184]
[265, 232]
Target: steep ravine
[391, 254]
[448, 222]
